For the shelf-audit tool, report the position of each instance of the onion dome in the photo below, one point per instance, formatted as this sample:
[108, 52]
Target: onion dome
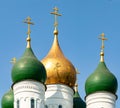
[8, 100]
[59, 69]
[28, 66]
[77, 100]
[101, 79]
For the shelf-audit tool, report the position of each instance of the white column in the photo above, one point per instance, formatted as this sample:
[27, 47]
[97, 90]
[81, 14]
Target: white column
[24, 91]
[58, 94]
[101, 100]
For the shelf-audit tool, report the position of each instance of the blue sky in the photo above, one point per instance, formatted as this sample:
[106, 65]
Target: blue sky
[80, 25]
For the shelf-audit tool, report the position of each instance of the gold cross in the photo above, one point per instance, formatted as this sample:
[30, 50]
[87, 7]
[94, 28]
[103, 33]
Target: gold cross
[13, 61]
[28, 21]
[77, 72]
[103, 39]
[76, 83]
[56, 15]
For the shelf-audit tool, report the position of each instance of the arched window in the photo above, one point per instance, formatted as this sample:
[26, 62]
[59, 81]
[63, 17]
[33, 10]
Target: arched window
[32, 103]
[18, 103]
[60, 106]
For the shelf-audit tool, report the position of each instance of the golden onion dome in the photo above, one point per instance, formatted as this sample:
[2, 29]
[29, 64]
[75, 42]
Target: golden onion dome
[59, 69]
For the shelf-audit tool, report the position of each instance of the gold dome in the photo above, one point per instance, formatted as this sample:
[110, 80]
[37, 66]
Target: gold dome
[59, 69]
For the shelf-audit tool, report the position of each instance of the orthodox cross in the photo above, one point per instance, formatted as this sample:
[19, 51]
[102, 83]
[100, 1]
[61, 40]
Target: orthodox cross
[13, 61]
[77, 72]
[28, 21]
[76, 84]
[102, 39]
[56, 15]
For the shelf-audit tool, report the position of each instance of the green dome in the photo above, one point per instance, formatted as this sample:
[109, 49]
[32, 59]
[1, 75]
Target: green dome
[101, 80]
[28, 67]
[8, 100]
[77, 101]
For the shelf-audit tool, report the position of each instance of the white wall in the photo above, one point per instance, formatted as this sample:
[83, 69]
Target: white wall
[101, 100]
[24, 91]
[58, 94]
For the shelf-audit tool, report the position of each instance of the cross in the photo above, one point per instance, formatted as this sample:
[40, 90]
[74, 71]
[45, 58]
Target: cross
[76, 85]
[77, 72]
[102, 39]
[13, 61]
[56, 15]
[28, 21]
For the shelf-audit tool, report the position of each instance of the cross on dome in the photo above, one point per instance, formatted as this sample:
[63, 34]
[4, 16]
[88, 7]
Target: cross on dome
[13, 61]
[102, 47]
[56, 15]
[28, 21]
[102, 39]
[76, 83]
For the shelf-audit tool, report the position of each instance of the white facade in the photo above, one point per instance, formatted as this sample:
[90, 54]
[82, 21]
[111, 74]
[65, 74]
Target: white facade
[101, 100]
[29, 94]
[58, 96]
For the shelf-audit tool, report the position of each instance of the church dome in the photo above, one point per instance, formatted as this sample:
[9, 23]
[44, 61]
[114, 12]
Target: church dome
[77, 100]
[8, 100]
[28, 66]
[101, 79]
[59, 69]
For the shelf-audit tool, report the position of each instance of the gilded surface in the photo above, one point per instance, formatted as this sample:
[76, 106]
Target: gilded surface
[59, 69]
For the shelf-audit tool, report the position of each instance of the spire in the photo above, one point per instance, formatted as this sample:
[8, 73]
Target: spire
[28, 21]
[56, 22]
[102, 47]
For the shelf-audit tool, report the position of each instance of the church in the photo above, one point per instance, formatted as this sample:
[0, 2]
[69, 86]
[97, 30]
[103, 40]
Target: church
[52, 82]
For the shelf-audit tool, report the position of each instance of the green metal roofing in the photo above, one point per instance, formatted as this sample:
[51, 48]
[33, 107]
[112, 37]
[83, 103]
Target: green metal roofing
[77, 101]
[101, 80]
[8, 100]
[28, 67]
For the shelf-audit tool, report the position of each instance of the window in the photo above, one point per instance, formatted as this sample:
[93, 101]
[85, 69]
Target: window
[60, 106]
[18, 103]
[32, 103]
